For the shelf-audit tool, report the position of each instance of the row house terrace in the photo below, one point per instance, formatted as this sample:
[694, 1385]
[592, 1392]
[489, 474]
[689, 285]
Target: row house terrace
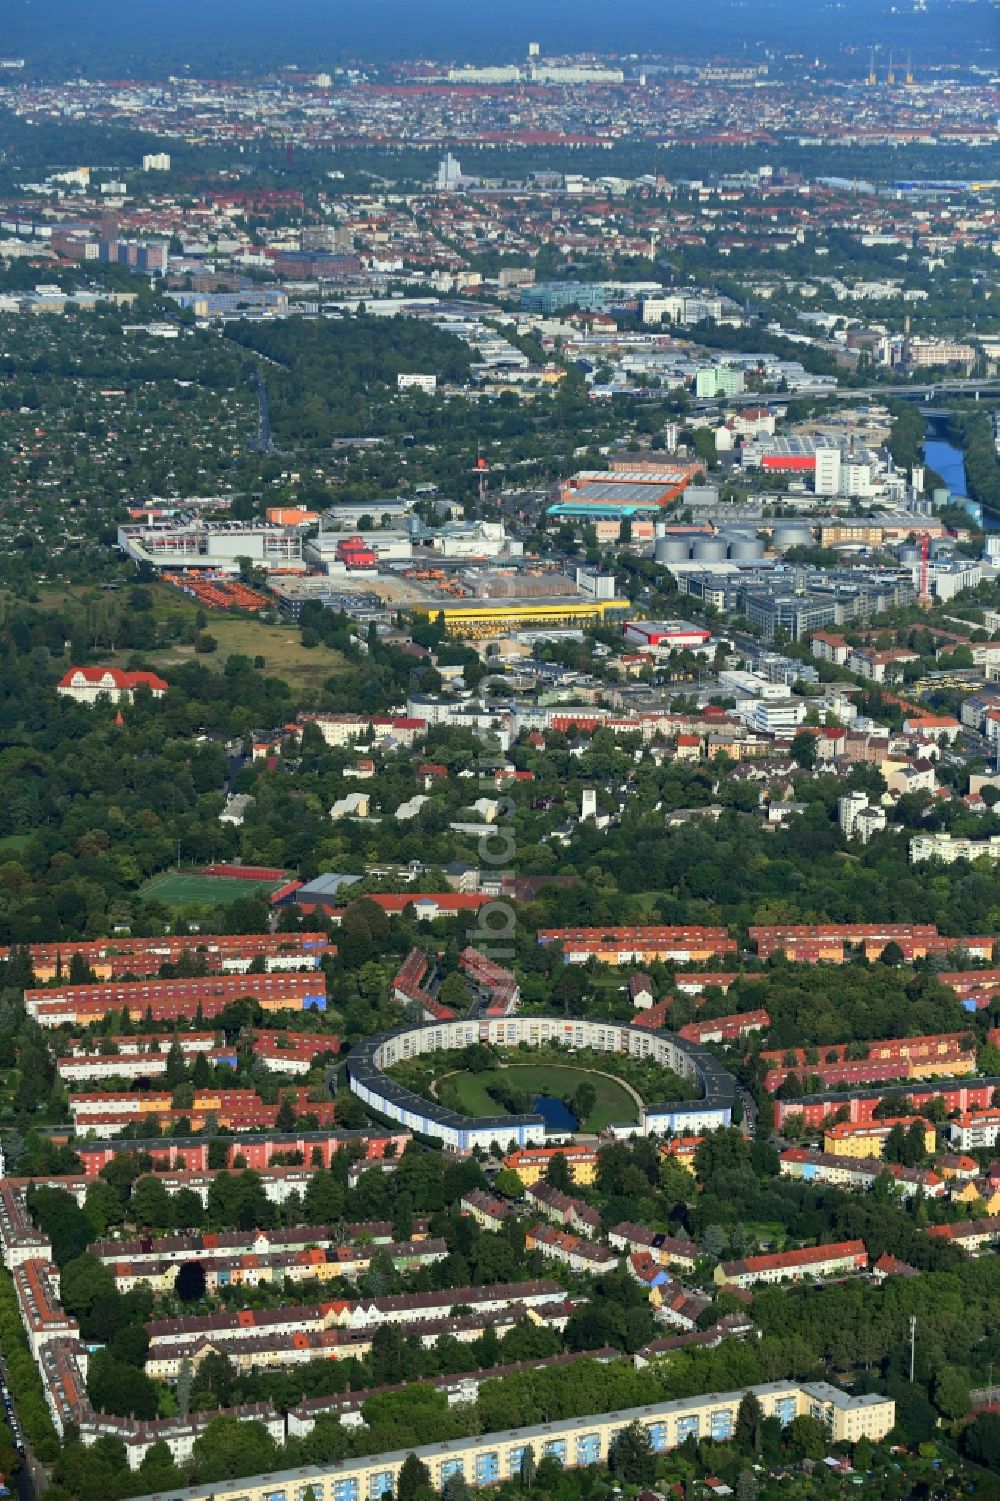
[19, 1240]
[926, 1051]
[256, 1269]
[870, 1072]
[812, 943]
[572, 1214]
[217, 1244]
[169, 999]
[861, 1104]
[179, 1434]
[971, 1235]
[664, 1250]
[278, 1349]
[810, 1166]
[781, 1266]
[639, 945]
[95, 1068]
[574, 1251]
[36, 1284]
[143, 957]
[726, 1028]
[254, 1152]
[344, 1314]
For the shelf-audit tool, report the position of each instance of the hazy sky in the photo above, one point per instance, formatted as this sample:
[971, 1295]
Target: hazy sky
[232, 34]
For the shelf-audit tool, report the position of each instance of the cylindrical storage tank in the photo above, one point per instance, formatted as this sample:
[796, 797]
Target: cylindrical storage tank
[940, 495]
[709, 549]
[791, 534]
[672, 550]
[909, 554]
[745, 549]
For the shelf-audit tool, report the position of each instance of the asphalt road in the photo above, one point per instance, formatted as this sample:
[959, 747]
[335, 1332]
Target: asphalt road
[23, 1481]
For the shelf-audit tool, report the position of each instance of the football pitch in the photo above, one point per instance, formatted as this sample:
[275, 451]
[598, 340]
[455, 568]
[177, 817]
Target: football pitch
[175, 888]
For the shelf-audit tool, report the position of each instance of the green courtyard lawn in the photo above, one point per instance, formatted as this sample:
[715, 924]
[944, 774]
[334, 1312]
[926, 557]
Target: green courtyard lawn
[614, 1104]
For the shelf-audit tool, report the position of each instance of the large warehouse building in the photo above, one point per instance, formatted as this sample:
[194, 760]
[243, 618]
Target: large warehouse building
[213, 545]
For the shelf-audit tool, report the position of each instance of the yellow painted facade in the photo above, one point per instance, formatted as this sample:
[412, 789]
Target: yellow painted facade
[868, 1138]
[531, 1163]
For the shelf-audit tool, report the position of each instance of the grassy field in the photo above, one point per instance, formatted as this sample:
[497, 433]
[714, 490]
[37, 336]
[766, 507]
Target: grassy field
[302, 667]
[176, 889]
[613, 1103]
[279, 645]
[13, 844]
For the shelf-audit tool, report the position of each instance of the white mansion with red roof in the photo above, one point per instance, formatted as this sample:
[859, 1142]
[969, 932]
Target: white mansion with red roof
[86, 684]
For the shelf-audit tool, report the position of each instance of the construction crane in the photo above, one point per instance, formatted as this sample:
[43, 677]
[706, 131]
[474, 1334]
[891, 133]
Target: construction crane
[482, 469]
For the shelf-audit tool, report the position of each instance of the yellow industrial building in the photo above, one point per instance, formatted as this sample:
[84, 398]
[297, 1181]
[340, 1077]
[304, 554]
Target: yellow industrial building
[492, 1457]
[477, 622]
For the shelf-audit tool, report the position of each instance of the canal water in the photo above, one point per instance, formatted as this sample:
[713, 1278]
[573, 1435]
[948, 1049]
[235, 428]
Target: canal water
[945, 459]
[555, 1113]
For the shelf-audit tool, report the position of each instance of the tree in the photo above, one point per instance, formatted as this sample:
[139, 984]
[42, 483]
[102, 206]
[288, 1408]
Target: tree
[894, 1147]
[584, 1100]
[676, 1181]
[715, 1241]
[747, 1487]
[951, 1392]
[804, 750]
[175, 1072]
[413, 1476]
[218, 1153]
[557, 1173]
[66, 1225]
[285, 1119]
[807, 1438]
[121, 1389]
[82, 1281]
[892, 955]
[981, 1440]
[158, 1471]
[913, 1146]
[988, 1066]
[529, 1468]
[862, 1456]
[456, 1487]
[189, 1284]
[184, 1387]
[229, 1447]
[324, 1198]
[150, 1203]
[103, 1206]
[631, 1457]
[749, 1432]
[454, 992]
[509, 1183]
